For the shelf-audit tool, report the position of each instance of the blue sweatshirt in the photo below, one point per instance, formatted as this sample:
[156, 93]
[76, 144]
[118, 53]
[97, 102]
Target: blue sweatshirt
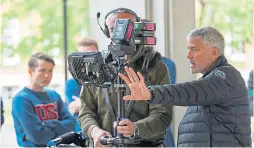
[40, 117]
[72, 89]
[171, 69]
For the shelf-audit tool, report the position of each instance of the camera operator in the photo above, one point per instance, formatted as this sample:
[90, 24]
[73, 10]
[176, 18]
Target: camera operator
[147, 121]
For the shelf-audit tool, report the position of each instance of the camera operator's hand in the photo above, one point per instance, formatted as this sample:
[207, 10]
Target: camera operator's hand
[137, 85]
[126, 127]
[96, 134]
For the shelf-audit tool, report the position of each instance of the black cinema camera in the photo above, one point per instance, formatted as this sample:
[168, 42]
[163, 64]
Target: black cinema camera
[127, 34]
[102, 70]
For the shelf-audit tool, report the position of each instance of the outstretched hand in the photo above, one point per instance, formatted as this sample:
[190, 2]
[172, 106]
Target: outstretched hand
[136, 83]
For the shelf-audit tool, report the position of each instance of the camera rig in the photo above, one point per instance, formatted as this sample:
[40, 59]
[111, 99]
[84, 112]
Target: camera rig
[94, 68]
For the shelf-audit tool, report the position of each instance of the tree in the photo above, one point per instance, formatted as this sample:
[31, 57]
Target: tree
[234, 17]
[30, 26]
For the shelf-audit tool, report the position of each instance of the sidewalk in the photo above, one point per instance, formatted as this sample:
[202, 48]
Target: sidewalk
[7, 136]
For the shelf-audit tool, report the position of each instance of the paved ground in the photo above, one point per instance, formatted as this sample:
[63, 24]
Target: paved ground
[7, 136]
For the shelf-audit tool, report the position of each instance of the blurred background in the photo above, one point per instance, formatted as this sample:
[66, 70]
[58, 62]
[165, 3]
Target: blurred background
[30, 26]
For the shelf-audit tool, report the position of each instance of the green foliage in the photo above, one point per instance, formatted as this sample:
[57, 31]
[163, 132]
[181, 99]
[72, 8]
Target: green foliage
[229, 16]
[40, 26]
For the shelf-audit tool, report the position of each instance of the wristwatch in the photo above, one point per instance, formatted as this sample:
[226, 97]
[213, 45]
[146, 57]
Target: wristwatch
[136, 131]
[152, 94]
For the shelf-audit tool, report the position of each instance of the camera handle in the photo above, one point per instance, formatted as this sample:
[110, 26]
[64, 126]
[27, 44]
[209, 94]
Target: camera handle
[120, 88]
[118, 140]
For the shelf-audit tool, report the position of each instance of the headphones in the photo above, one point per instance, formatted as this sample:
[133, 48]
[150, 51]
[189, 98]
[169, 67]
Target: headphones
[115, 11]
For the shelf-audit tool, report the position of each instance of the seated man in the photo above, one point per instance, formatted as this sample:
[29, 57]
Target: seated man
[169, 141]
[147, 121]
[171, 66]
[39, 114]
[72, 89]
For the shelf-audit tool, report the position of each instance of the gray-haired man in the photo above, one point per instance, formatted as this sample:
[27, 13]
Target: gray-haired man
[218, 114]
